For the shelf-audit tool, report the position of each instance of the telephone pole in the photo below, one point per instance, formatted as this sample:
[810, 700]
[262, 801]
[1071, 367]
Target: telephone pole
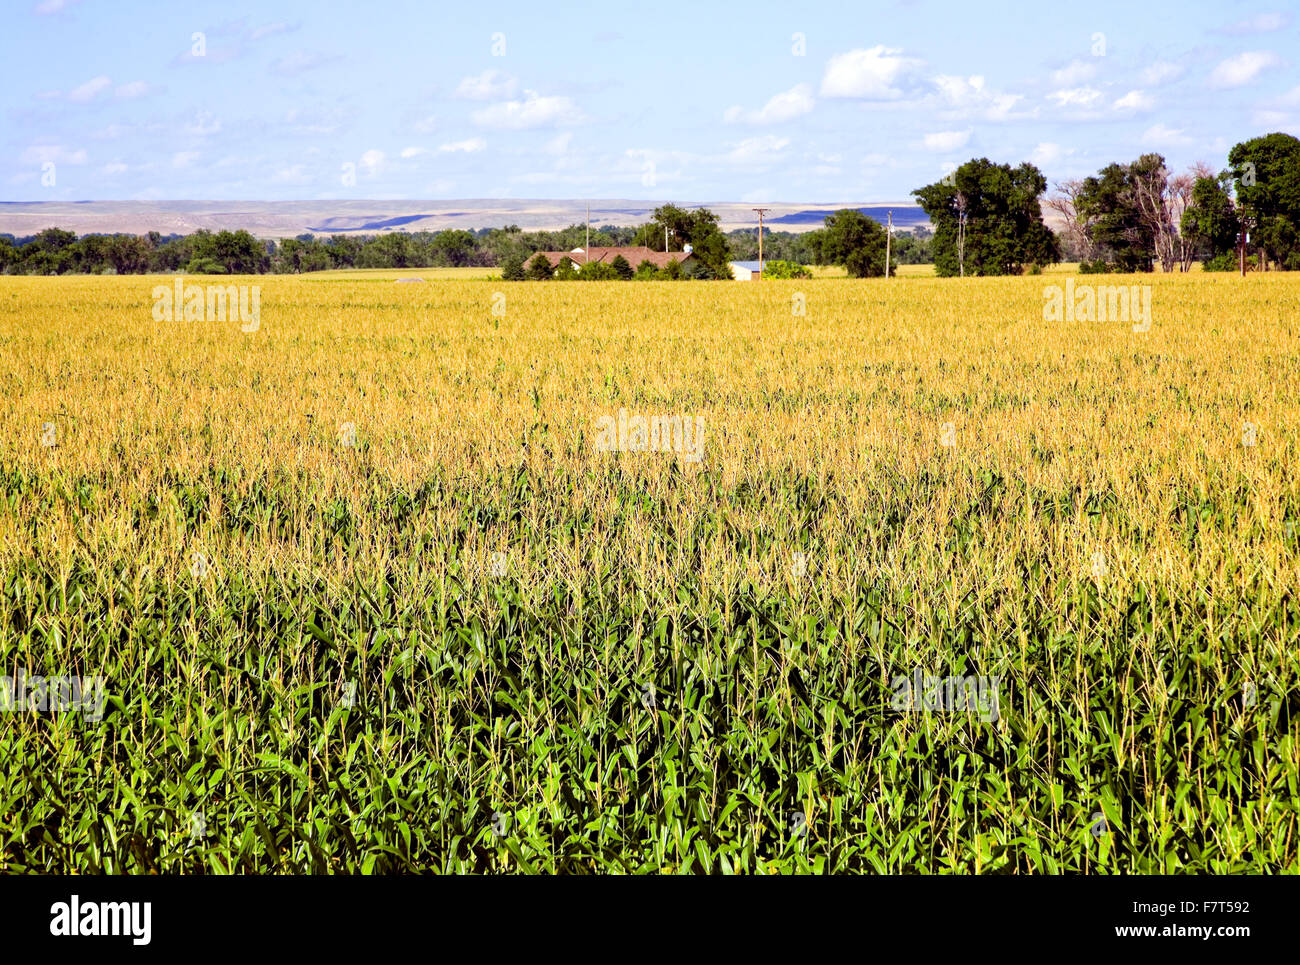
[760, 240]
[889, 237]
[586, 252]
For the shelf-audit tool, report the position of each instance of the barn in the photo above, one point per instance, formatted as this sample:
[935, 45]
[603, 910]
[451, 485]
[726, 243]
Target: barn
[747, 270]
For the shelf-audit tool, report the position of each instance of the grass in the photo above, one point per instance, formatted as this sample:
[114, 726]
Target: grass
[472, 642]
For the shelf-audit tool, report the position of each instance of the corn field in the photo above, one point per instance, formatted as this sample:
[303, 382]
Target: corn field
[367, 594]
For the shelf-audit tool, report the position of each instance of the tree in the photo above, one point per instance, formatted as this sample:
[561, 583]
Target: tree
[697, 228]
[539, 269]
[1211, 223]
[987, 219]
[1075, 225]
[1117, 228]
[565, 270]
[784, 269]
[671, 271]
[598, 271]
[512, 268]
[853, 240]
[646, 271]
[1267, 174]
[622, 267]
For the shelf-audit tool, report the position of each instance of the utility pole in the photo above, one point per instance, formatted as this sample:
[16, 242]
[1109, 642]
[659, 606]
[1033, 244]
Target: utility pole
[889, 238]
[586, 252]
[760, 240]
[666, 248]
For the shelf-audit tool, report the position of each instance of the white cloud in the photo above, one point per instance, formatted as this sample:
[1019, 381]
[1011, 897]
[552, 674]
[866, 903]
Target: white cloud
[871, 74]
[1076, 97]
[757, 150]
[559, 144]
[1048, 152]
[967, 95]
[1243, 68]
[1161, 72]
[301, 60]
[946, 140]
[425, 125]
[46, 7]
[468, 146]
[1260, 24]
[183, 159]
[410, 152]
[1074, 74]
[294, 174]
[1161, 135]
[90, 89]
[533, 111]
[137, 88]
[490, 85]
[1135, 100]
[40, 153]
[371, 162]
[782, 107]
[203, 124]
[115, 167]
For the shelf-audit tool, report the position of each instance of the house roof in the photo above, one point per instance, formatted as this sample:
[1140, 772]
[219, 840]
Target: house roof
[747, 265]
[635, 254]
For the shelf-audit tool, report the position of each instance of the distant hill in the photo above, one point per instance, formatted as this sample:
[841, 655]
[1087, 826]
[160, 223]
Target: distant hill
[285, 219]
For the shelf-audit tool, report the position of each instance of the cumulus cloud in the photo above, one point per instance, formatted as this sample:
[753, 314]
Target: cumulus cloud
[1243, 68]
[970, 95]
[1074, 74]
[1135, 100]
[137, 88]
[946, 140]
[782, 107]
[1260, 24]
[1076, 97]
[757, 150]
[41, 153]
[300, 61]
[533, 111]
[371, 162]
[1161, 135]
[873, 74]
[1161, 72]
[90, 89]
[488, 86]
[470, 145]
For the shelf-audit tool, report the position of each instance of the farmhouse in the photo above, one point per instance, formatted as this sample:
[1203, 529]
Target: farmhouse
[635, 254]
[746, 270]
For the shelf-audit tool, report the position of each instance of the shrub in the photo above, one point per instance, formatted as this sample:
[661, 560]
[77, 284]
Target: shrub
[539, 268]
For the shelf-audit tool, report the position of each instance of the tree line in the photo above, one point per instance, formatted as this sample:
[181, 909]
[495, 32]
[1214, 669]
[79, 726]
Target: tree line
[986, 219]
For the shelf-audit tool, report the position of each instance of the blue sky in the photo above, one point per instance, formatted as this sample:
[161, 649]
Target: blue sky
[817, 102]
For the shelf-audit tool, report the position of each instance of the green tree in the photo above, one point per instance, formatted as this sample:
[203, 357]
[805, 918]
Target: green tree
[512, 268]
[1267, 173]
[1211, 221]
[598, 271]
[987, 219]
[784, 269]
[853, 240]
[1110, 203]
[539, 269]
[622, 267]
[565, 270]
